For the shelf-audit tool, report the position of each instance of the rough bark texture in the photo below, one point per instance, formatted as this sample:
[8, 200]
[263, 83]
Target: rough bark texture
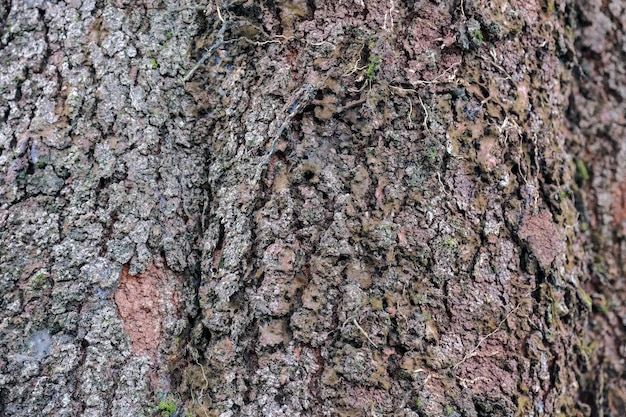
[349, 208]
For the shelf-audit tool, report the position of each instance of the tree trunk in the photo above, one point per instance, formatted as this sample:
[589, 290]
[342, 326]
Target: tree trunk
[324, 208]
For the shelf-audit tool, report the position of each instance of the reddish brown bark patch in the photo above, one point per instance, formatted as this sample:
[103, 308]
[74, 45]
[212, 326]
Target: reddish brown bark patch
[543, 237]
[619, 208]
[139, 300]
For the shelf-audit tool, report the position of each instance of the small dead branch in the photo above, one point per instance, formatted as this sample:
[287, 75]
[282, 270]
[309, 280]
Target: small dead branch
[218, 42]
[473, 351]
[301, 98]
[323, 43]
[257, 43]
[272, 39]
[443, 187]
[354, 66]
[494, 63]
[410, 90]
[363, 332]
[389, 15]
[351, 104]
[425, 122]
[408, 117]
[438, 79]
[194, 355]
[468, 383]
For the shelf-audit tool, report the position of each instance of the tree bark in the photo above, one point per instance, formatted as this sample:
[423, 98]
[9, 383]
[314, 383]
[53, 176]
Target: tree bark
[312, 208]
